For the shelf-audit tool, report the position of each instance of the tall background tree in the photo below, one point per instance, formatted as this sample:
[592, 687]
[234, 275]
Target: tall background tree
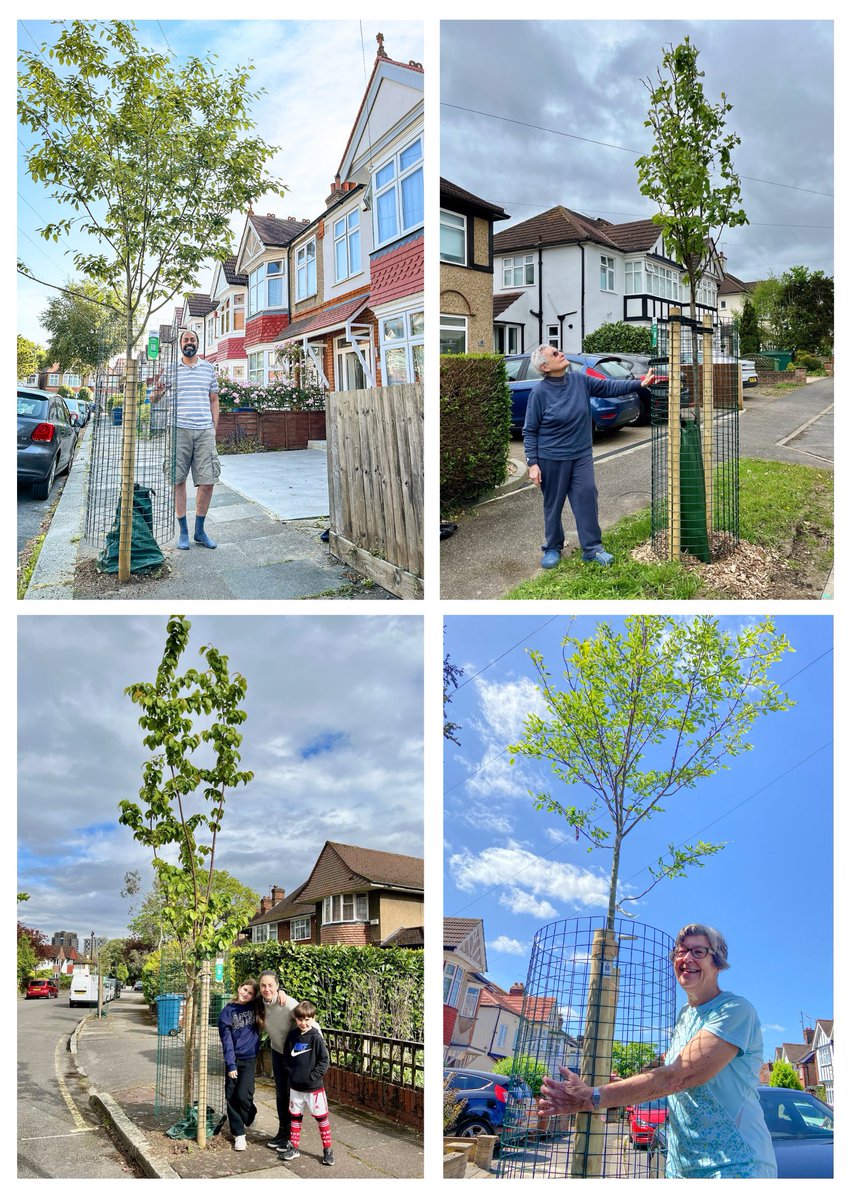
[749, 329]
[29, 357]
[82, 330]
[151, 924]
[147, 158]
[783, 1074]
[32, 948]
[185, 787]
[689, 172]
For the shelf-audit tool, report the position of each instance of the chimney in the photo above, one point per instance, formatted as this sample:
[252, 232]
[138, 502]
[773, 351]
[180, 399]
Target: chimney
[517, 989]
[278, 894]
[272, 215]
[264, 905]
[808, 1036]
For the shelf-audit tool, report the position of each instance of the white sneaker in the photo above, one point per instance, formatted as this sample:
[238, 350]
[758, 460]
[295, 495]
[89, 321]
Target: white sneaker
[240, 1143]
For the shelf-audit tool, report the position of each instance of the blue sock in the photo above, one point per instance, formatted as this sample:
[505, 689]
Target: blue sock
[183, 542]
[183, 524]
[200, 534]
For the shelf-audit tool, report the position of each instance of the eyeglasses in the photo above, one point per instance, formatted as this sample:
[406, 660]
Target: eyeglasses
[695, 951]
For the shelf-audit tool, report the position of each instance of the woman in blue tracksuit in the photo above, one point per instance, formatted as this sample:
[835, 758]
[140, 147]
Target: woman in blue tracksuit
[240, 1027]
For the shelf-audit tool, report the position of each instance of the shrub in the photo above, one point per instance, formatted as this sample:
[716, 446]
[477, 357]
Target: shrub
[524, 1066]
[618, 337]
[803, 359]
[381, 990]
[116, 400]
[783, 1074]
[452, 1106]
[278, 394]
[84, 394]
[64, 391]
[474, 433]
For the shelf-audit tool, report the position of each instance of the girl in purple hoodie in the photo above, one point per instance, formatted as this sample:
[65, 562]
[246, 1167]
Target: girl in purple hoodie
[240, 1027]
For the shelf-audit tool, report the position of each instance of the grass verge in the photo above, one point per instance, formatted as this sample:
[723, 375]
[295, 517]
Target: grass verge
[27, 565]
[787, 508]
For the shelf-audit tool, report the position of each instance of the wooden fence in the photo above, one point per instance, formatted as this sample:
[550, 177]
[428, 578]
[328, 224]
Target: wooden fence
[375, 466]
[380, 1075]
[274, 428]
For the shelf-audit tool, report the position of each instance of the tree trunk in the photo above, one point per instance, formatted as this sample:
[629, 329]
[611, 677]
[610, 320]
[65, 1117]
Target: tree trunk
[188, 1032]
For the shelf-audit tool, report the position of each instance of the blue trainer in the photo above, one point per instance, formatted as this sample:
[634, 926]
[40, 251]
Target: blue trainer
[551, 559]
[602, 557]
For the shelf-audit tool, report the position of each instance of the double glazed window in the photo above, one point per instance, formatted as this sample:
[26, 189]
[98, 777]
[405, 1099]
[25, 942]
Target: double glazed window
[300, 929]
[346, 245]
[452, 984]
[607, 273]
[345, 907]
[452, 238]
[266, 287]
[306, 278]
[507, 339]
[453, 334]
[402, 338]
[398, 187]
[519, 272]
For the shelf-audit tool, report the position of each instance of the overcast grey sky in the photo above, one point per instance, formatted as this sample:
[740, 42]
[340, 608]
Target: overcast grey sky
[583, 78]
[334, 736]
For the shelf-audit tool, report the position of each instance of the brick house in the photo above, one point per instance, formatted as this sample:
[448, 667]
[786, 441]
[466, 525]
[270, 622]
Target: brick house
[228, 293]
[822, 1047]
[264, 260]
[466, 258]
[58, 960]
[53, 377]
[357, 270]
[284, 918]
[560, 275]
[463, 965]
[354, 896]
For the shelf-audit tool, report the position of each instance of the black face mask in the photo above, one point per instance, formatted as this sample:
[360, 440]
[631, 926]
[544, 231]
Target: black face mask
[189, 350]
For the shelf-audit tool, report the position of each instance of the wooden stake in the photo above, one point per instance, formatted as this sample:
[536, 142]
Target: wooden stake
[203, 1052]
[674, 333]
[708, 422]
[596, 1056]
[128, 443]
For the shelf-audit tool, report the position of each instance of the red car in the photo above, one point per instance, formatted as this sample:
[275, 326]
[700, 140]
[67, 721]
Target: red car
[644, 1119]
[41, 988]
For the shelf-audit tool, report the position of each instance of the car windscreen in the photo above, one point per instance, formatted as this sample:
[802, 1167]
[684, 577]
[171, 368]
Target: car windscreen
[32, 406]
[513, 367]
[804, 1117]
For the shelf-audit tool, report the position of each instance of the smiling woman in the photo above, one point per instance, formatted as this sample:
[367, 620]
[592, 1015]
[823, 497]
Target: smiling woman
[716, 1128]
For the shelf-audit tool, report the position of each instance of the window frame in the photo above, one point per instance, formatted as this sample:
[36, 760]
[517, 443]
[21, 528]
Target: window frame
[460, 325]
[462, 229]
[410, 341]
[297, 922]
[527, 267]
[607, 275]
[345, 239]
[355, 918]
[311, 284]
[394, 185]
[452, 977]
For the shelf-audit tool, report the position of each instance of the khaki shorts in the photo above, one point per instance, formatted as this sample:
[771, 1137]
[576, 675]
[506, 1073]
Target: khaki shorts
[195, 448]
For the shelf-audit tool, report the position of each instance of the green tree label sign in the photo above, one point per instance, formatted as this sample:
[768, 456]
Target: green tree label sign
[153, 346]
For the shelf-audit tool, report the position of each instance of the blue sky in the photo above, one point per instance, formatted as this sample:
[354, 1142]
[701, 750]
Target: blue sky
[314, 74]
[769, 891]
[325, 769]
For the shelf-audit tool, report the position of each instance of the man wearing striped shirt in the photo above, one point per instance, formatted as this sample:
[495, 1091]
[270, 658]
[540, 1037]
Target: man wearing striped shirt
[197, 420]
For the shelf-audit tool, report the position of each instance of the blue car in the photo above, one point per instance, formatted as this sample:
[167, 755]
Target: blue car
[801, 1128]
[607, 413]
[485, 1096]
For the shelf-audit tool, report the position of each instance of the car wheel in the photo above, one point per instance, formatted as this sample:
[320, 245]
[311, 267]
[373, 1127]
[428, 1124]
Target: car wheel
[42, 489]
[67, 468]
[474, 1127]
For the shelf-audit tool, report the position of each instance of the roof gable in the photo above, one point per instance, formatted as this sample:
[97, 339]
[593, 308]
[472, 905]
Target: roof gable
[342, 868]
[393, 91]
[452, 195]
[464, 936]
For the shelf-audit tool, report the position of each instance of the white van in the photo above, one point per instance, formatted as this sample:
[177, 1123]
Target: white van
[84, 985]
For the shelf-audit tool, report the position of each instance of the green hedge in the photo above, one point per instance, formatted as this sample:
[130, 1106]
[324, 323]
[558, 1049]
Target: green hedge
[474, 433]
[340, 980]
[618, 337]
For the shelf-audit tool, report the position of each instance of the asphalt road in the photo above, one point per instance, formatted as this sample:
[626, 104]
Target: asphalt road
[497, 544]
[31, 513]
[58, 1135]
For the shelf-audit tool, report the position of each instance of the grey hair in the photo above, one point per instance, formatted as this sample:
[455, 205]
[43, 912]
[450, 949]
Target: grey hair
[718, 945]
[262, 975]
[537, 358]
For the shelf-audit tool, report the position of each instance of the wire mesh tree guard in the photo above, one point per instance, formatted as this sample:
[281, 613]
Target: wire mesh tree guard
[133, 441]
[177, 1073]
[596, 1000]
[695, 440]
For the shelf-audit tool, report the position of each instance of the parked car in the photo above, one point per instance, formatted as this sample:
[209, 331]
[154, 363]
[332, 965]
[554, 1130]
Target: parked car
[607, 414]
[39, 989]
[644, 1120]
[749, 372]
[801, 1128]
[639, 364]
[47, 439]
[488, 1100]
[138, 986]
[77, 410]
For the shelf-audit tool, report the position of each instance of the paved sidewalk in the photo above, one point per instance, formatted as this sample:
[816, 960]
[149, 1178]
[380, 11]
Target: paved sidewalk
[118, 1055]
[267, 516]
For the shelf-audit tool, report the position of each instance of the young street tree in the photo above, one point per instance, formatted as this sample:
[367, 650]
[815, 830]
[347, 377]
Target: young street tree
[689, 172]
[151, 924]
[643, 716]
[147, 158]
[183, 795]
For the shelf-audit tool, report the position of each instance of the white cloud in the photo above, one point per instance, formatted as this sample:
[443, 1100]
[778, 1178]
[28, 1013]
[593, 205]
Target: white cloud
[518, 901]
[507, 945]
[541, 880]
[499, 721]
[773, 1029]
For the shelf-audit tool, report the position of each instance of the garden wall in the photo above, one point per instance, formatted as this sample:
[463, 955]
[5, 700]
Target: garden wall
[273, 429]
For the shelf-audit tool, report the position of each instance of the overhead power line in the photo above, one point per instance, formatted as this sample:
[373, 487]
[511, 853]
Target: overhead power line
[612, 145]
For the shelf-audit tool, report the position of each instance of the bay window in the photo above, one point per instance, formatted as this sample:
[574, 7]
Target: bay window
[452, 238]
[348, 906]
[398, 187]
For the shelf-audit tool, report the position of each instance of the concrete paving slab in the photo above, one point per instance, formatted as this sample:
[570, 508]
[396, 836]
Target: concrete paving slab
[287, 483]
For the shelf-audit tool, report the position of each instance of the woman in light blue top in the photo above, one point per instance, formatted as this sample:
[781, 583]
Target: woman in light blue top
[710, 1072]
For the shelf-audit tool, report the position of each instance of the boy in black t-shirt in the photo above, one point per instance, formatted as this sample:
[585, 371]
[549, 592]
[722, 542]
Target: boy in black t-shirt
[306, 1061]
